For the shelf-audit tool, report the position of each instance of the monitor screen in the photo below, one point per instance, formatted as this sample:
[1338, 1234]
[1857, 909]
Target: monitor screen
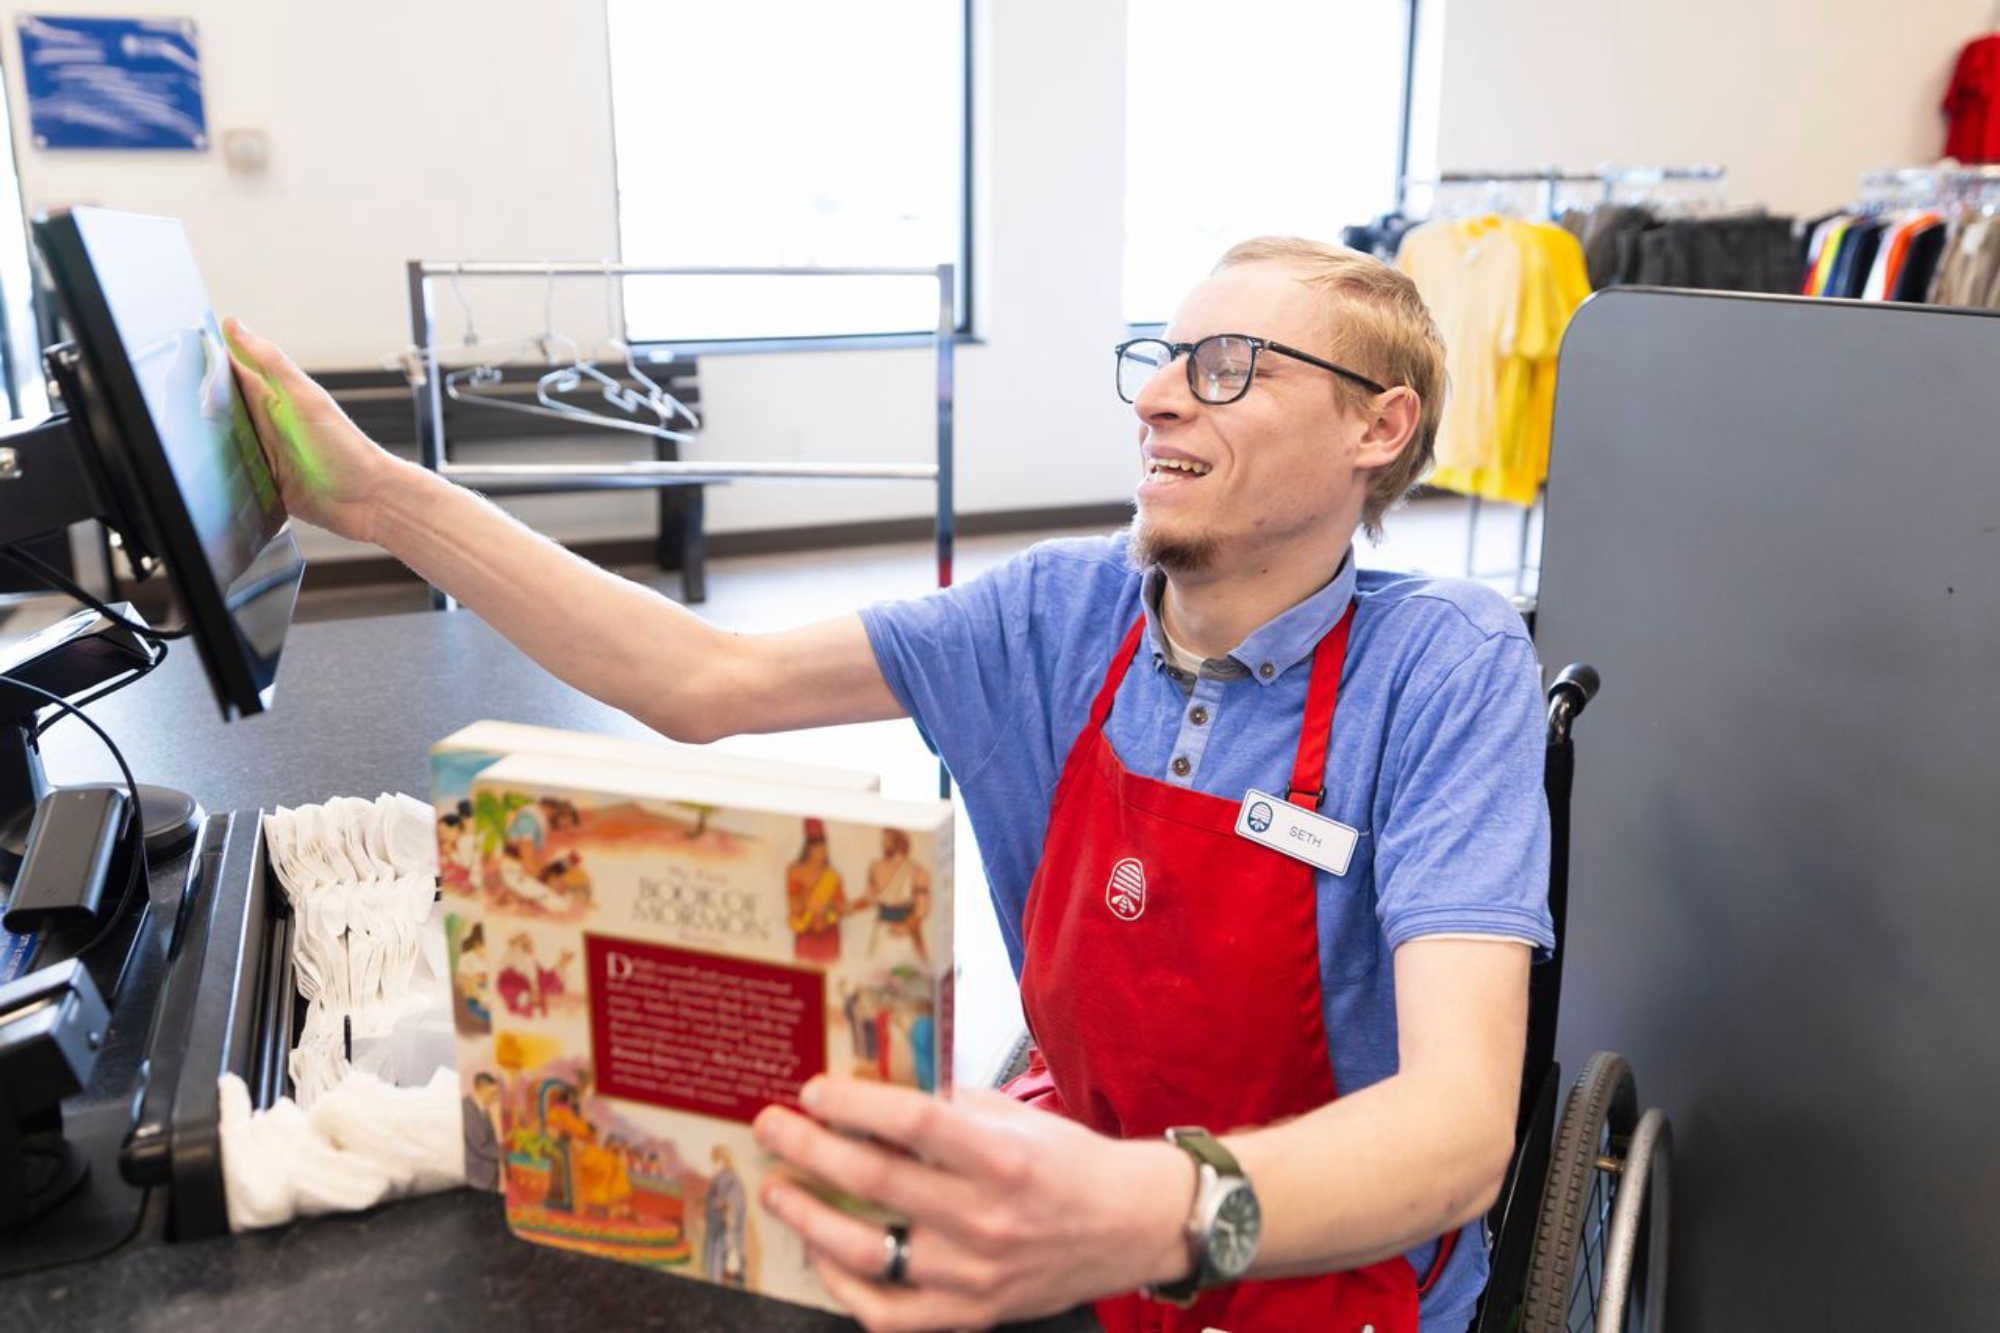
[187, 480]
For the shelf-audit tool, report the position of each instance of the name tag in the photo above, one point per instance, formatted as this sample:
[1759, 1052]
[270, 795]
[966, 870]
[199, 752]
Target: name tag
[1302, 834]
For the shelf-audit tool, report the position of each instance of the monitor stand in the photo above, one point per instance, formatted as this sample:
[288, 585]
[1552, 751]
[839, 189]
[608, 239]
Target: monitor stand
[78, 657]
[171, 816]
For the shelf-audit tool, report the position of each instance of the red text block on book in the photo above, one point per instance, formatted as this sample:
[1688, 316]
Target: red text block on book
[701, 1032]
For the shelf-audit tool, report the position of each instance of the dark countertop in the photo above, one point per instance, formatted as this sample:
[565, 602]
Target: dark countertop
[358, 704]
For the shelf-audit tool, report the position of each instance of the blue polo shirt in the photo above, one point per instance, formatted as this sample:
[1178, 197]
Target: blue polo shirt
[1435, 757]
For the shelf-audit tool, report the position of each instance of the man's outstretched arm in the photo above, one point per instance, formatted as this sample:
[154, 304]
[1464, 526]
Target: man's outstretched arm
[616, 640]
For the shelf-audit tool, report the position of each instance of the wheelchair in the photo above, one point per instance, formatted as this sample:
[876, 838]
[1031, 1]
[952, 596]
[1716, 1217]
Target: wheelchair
[1579, 1232]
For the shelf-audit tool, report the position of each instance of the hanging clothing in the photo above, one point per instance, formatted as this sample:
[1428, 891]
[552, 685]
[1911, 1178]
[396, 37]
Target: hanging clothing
[1381, 237]
[1920, 263]
[1826, 246]
[1502, 291]
[1744, 252]
[1469, 274]
[1972, 260]
[1894, 251]
[1914, 255]
[1972, 103]
[1609, 239]
[1857, 253]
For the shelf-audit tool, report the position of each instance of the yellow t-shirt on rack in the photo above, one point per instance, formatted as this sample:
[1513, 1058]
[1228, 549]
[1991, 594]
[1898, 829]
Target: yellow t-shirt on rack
[1505, 454]
[1566, 288]
[1468, 272]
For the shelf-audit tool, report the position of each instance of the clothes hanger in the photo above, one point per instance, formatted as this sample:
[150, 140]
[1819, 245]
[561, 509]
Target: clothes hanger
[650, 396]
[569, 378]
[663, 403]
[468, 385]
[472, 385]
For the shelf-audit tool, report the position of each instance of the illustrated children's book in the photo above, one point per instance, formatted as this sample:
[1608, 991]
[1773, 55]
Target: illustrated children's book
[669, 953]
[461, 756]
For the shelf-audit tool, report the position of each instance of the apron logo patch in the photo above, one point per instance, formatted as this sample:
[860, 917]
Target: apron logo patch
[1125, 894]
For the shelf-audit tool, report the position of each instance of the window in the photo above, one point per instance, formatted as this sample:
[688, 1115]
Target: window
[1260, 117]
[788, 133]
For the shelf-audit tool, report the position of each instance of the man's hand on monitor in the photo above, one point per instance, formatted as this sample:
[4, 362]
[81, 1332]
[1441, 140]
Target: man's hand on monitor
[329, 472]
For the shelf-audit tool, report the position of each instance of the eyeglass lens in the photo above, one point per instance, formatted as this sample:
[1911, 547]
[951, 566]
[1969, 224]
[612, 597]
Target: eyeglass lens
[1220, 373]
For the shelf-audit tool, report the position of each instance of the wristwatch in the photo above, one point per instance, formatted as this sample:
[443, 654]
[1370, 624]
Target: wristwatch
[1225, 1224]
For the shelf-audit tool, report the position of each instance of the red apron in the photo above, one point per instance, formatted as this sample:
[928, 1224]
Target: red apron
[1171, 977]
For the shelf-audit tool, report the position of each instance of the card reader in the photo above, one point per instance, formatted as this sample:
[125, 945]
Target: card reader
[76, 845]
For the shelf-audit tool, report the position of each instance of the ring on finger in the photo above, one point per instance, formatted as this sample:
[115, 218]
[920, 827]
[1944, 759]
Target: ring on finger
[896, 1255]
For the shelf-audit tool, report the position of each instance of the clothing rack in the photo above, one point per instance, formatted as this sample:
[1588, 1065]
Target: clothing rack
[1929, 184]
[1936, 174]
[1551, 179]
[427, 394]
[1915, 235]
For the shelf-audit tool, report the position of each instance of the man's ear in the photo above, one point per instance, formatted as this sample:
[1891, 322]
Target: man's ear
[1391, 424]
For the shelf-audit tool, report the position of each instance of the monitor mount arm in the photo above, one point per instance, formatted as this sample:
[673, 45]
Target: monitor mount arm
[47, 484]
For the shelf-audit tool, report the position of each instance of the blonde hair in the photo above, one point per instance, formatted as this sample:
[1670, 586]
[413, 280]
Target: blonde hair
[1382, 329]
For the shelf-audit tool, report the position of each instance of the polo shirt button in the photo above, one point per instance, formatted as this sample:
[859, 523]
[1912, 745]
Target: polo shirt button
[1267, 671]
[1181, 766]
[1198, 715]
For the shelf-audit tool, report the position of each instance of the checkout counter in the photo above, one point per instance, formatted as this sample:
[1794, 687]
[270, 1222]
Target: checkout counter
[359, 699]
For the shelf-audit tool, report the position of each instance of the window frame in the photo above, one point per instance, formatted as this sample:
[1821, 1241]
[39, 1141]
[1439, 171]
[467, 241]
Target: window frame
[1405, 106]
[661, 349]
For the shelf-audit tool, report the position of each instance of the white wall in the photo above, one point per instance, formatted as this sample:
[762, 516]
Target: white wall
[397, 130]
[1038, 422]
[480, 128]
[1795, 97]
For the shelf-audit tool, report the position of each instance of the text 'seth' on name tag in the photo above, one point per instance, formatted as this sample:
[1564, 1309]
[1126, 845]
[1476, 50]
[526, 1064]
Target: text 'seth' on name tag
[1326, 844]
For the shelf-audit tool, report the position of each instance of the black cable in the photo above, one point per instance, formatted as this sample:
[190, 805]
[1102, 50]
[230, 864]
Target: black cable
[137, 826]
[63, 583]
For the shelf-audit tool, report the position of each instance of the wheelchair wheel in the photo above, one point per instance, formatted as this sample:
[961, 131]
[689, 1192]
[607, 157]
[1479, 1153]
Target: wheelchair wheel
[1566, 1271]
[1634, 1294]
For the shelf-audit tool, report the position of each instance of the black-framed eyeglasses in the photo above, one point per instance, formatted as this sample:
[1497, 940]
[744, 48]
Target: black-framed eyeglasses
[1219, 367]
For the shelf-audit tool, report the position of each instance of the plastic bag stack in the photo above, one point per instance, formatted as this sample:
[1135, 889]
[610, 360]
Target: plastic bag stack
[363, 1141]
[367, 947]
[368, 953]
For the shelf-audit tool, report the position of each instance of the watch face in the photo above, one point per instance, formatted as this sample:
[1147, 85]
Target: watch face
[1232, 1241]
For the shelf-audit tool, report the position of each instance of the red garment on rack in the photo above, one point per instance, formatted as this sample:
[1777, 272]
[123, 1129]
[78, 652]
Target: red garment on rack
[1972, 101]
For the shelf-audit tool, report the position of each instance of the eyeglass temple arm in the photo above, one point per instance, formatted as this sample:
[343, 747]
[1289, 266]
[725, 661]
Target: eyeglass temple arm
[1341, 371]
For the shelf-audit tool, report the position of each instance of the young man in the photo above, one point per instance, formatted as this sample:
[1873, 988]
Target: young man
[1327, 1006]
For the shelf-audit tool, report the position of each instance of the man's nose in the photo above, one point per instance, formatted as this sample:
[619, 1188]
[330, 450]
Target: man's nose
[1166, 396]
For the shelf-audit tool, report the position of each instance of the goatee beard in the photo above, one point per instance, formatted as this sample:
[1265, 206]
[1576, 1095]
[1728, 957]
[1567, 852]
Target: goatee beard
[1147, 546]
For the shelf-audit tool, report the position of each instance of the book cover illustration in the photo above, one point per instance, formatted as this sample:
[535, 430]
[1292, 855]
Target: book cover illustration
[645, 961]
[489, 974]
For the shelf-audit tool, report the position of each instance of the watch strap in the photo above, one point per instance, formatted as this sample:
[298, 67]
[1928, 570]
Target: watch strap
[1203, 1146]
[1207, 1151]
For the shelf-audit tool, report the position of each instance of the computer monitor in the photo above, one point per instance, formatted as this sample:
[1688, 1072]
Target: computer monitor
[153, 441]
[169, 442]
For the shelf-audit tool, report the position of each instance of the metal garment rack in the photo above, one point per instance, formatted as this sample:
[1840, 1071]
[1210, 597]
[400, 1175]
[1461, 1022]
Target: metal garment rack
[1551, 179]
[1939, 185]
[427, 393]
[1931, 175]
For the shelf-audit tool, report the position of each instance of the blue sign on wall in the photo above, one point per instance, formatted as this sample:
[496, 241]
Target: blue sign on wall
[112, 83]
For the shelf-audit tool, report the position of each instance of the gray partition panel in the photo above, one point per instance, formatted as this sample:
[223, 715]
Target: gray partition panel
[1774, 525]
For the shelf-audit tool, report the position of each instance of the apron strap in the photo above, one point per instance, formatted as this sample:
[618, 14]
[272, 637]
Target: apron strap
[1100, 708]
[1309, 773]
[1446, 1244]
